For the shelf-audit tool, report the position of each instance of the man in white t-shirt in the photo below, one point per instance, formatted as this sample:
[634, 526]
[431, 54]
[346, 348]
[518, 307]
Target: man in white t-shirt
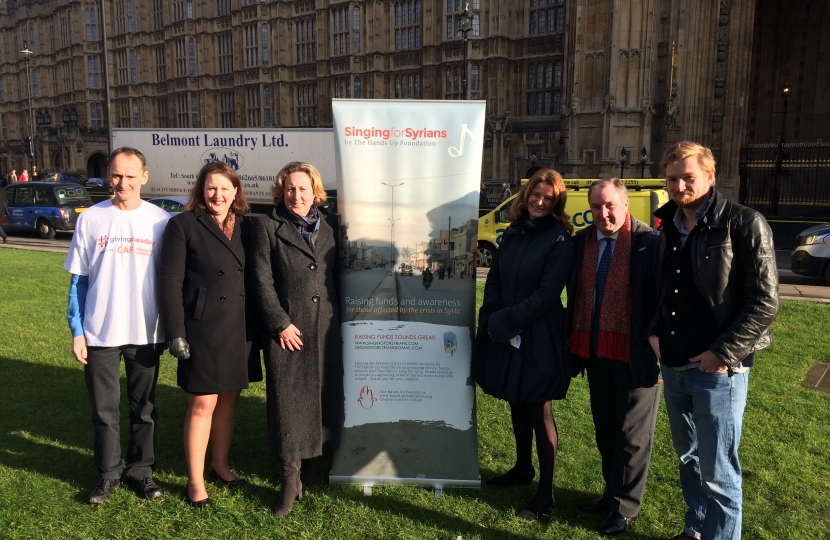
[112, 314]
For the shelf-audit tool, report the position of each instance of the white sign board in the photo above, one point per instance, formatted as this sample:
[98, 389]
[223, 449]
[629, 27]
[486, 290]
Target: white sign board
[174, 156]
[409, 189]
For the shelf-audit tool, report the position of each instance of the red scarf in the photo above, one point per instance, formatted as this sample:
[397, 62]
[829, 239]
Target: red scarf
[615, 314]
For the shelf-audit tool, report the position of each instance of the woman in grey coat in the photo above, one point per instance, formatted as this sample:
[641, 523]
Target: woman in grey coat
[296, 278]
[519, 351]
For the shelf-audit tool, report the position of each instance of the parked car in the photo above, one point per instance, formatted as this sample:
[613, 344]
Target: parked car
[45, 207]
[811, 255]
[64, 177]
[367, 266]
[99, 187]
[173, 204]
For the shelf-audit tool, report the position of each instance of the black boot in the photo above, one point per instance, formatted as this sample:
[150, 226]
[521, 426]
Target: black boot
[308, 476]
[292, 488]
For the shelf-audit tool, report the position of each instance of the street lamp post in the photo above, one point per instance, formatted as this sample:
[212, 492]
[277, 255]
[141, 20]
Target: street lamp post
[43, 120]
[643, 162]
[69, 132]
[27, 54]
[392, 230]
[779, 154]
[466, 26]
[623, 159]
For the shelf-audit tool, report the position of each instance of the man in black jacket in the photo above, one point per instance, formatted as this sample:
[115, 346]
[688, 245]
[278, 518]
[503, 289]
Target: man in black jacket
[718, 297]
[611, 300]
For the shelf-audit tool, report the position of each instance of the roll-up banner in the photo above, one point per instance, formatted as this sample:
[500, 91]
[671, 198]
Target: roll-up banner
[408, 191]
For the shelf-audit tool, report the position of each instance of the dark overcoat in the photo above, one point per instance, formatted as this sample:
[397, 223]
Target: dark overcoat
[522, 298]
[297, 285]
[202, 298]
[645, 246]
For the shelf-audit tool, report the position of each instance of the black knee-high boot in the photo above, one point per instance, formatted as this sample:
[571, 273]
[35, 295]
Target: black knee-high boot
[292, 488]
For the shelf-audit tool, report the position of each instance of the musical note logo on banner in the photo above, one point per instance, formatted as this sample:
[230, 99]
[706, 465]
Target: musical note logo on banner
[457, 152]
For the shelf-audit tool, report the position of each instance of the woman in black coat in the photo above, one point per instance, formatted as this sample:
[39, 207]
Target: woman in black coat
[203, 312]
[296, 270]
[519, 351]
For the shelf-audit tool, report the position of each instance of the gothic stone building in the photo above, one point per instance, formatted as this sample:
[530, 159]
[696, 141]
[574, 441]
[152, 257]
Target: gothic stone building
[567, 83]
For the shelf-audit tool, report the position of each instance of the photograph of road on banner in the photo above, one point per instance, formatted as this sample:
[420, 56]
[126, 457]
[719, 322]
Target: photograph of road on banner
[408, 191]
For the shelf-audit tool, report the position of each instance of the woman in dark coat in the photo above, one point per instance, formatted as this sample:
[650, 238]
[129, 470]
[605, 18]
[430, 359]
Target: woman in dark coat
[519, 351]
[296, 272]
[203, 312]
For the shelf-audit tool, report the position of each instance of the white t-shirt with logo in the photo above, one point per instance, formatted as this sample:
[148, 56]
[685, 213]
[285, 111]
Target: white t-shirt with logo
[118, 250]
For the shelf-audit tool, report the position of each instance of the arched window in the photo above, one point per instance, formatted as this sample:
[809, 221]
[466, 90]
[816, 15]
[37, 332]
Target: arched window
[356, 93]
[557, 75]
[133, 75]
[191, 56]
[474, 78]
[417, 86]
[189, 8]
[130, 23]
[264, 44]
[449, 79]
[548, 75]
[32, 39]
[531, 79]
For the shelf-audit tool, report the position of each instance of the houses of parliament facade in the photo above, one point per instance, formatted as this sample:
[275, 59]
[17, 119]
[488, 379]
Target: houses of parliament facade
[568, 84]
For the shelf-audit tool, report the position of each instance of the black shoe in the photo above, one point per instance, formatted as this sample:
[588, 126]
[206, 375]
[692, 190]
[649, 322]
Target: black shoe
[233, 484]
[513, 477]
[5, 239]
[683, 536]
[204, 503]
[147, 488]
[102, 491]
[616, 523]
[595, 505]
[537, 507]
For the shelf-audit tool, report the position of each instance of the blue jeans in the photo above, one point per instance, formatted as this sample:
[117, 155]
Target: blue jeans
[705, 412]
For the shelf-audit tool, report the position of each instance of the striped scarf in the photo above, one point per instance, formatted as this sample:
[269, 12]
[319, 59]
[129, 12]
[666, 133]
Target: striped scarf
[308, 226]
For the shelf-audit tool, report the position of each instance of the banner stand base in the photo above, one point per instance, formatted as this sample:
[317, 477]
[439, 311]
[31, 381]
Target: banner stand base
[437, 484]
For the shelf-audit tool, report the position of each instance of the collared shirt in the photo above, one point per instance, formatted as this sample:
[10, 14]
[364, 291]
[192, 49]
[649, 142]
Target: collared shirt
[683, 234]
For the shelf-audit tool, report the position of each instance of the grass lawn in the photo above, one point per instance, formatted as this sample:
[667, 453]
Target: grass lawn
[46, 451]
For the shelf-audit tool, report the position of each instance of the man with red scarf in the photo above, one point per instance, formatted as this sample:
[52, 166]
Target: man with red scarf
[611, 299]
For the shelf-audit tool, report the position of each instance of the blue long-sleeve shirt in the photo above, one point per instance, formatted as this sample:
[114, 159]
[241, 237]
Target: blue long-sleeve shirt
[78, 287]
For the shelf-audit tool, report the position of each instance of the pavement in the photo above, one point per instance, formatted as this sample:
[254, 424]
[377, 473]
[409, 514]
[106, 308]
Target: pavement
[791, 286]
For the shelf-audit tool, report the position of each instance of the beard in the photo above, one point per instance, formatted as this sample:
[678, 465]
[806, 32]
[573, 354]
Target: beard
[687, 199]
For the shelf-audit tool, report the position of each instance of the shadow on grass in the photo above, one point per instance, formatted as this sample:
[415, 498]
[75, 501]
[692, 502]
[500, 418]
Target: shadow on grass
[45, 428]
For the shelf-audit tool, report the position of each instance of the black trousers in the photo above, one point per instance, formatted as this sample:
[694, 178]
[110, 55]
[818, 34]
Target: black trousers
[624, 419]
[102, 375]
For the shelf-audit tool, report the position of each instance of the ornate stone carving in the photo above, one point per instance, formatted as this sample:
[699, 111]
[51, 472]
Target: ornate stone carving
[717, 121]
[723, 20]
[719, 83]
[721, 51]
[610, 104]
[672, 110]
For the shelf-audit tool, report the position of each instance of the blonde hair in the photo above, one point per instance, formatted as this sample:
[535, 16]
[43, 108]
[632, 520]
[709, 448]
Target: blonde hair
[300, 166]
[560, 196]
[686, 149]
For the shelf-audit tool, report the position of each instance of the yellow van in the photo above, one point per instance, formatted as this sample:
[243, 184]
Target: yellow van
[645, 196]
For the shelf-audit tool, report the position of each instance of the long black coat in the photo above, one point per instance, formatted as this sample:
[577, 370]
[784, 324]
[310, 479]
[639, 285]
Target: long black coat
[295, 285]
[202, 298]
[522, 297]
[645, 245]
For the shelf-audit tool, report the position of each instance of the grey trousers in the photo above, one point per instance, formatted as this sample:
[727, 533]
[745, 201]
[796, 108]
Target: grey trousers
[102, 375]
[624, 420]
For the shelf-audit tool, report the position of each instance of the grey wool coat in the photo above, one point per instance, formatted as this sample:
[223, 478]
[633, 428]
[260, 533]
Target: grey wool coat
[295, 285]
